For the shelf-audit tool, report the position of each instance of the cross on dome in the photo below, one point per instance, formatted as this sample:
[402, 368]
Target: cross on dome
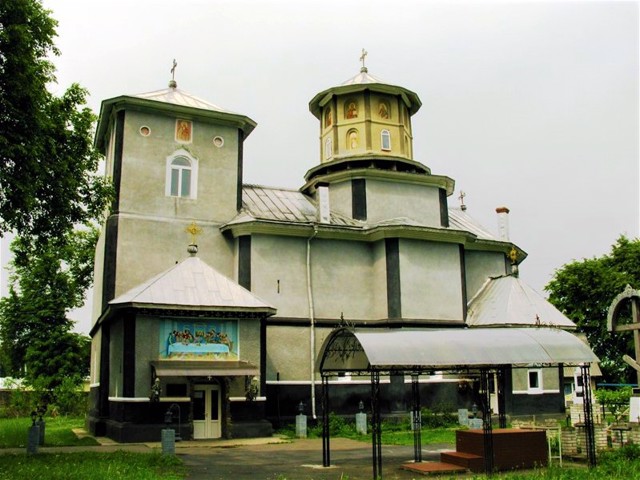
[362, 59]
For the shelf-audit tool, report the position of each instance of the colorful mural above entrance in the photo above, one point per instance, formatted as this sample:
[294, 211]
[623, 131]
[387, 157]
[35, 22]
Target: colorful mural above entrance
[199, 340]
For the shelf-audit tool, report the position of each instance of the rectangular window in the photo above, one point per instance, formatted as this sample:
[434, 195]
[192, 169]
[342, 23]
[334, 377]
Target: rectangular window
[175, 177]
[185, 190]
[534, 380]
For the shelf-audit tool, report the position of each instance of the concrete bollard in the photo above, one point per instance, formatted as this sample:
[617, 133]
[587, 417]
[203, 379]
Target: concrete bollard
[33, 439]
[361, 423]
[168, 441]
[301, 426]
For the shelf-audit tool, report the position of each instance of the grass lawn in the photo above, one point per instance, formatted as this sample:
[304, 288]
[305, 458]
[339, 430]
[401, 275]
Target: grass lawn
[13, 432]
[91, 466]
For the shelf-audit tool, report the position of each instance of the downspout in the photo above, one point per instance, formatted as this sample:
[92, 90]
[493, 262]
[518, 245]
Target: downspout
[312, 327]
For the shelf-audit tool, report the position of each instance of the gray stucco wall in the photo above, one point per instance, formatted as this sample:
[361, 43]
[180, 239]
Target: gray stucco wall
[145, 161]
[288, 352]
[480, 266]
[143, 253]
[387, 200]
[277, 279]
[341, 279]
[147, 347]
[431, 282]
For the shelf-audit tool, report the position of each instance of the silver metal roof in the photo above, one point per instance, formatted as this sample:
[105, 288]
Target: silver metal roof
[283, 205]
[508, 301]
[406, 350]
[461, 220]
[192, 284]
[363, 77]
[176, 96]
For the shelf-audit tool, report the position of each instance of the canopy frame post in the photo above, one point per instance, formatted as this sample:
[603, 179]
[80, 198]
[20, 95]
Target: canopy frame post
[501, 391]
[487, 429]
[588, 414]
[326, 433]
[416, 419]
[376, 426]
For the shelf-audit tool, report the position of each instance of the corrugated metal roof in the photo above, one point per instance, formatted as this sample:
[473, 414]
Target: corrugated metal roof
[176, 96]
[461, 220]
[507, 301]
[281, 205]
[193, 284]
[360, 349]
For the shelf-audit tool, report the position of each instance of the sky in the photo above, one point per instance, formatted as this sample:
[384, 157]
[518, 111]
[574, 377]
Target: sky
[529, 105]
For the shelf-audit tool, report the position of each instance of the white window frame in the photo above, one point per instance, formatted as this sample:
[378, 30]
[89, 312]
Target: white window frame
[537, 389]
[385, 134]
[182, 153]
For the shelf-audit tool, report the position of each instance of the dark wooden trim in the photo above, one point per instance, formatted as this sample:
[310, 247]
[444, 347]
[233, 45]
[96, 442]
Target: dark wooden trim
[129, 354]
[109, 261]
[394, 298]
[263, 356]
[359, 199]
[103, 390]
[444, 208]
[244, 261]
[463, 281]
[240, 169]
[118, 149]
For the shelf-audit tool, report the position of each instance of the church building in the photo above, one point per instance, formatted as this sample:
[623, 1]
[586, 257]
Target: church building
[213, 297]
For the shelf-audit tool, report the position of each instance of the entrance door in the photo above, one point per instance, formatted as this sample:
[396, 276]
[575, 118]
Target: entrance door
[206, 411]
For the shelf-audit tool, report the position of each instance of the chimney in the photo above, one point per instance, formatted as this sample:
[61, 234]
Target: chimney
[323, 203]
[503, 223]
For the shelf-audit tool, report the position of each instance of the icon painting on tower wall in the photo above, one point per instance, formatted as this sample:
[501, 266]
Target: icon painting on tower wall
[351, 110]
[327, 117]
[183, 130]
[199, 340]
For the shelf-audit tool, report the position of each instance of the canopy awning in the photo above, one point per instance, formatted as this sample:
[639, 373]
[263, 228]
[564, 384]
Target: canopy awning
[411, 349]
[187, 368]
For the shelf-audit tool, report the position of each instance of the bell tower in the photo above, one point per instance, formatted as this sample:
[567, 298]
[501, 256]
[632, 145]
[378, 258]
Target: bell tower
[365, 116]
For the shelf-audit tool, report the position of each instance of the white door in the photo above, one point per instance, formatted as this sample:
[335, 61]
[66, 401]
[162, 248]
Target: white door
[206, 411]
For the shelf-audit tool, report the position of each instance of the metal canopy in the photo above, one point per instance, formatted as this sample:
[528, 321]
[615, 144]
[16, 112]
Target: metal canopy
[414, 350]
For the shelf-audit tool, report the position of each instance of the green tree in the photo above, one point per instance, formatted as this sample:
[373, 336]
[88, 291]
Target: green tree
[47, 282]
[583, 290]
[47, 163]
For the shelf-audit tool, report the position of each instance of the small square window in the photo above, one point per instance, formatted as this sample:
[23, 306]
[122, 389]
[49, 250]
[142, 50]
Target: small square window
[534, 381]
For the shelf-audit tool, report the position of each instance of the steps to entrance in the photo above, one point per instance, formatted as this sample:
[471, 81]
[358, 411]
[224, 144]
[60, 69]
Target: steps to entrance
[433, 468]
[469, 461]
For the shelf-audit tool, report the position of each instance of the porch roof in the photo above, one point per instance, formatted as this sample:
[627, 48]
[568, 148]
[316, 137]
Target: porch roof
[203, 368]
[451, 349]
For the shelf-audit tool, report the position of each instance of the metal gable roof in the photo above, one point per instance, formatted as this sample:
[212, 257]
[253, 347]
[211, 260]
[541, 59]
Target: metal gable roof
[293, 206]
[176, 96]
[411, 349]
[507, 300]
[283, 205]
[192, 284]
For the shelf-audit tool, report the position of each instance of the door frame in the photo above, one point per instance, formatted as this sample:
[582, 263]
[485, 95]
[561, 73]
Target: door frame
[209, 427]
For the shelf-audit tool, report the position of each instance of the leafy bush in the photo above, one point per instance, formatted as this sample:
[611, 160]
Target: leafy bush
[614, 401]
[440, 416]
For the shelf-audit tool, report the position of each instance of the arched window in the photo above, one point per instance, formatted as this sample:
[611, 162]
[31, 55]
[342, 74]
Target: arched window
[182, 173]
[352, 139]
[385, 140]
[328, 148]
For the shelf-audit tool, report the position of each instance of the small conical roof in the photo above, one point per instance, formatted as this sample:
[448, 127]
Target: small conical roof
[193, 285]
[508, 301]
